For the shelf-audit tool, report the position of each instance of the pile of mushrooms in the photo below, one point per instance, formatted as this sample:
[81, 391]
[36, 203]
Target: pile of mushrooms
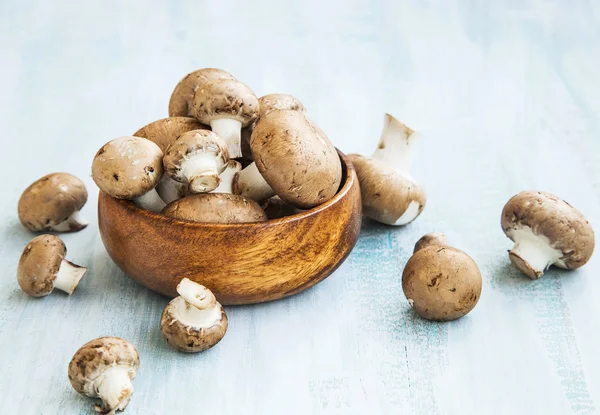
[226, 156]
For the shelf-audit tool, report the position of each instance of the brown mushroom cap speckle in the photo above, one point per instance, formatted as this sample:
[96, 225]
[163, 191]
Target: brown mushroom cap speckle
[566, 229]
[190, 339]
[386, 192]
[39, 263]
[441, 283]
[215, 208]
[50, 201]
[225, 98]
[94, 357]
[270, 102]
[181, 99]
[296, 158]
[128, 167]
[164, 131]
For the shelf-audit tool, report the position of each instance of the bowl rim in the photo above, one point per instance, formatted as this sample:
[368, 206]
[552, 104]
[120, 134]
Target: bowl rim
[343, 191]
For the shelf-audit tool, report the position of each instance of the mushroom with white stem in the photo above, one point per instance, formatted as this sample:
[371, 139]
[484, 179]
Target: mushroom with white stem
[53, 203]
[43, 267]
[546, 231]
[215, 208]
[195, 321]
[227, 105]
[180, 103]
[163, 132]
[293, 159]
[440, 282]
[130, 168]
[389, 194]
[232, 168]
[104, 368]
[197, 158]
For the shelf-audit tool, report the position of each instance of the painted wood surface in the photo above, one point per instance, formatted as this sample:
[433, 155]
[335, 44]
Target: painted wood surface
[507, 96]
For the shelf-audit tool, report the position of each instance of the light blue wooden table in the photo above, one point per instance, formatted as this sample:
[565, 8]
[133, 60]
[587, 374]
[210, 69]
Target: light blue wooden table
[507, 97]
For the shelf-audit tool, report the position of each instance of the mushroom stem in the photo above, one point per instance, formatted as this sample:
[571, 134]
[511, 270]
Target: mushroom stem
[150, 201]
[227, 177]
[170, 190]
[74, 222]
[198, 306]
[202, 172]
[250, 183]
[68, 276]
[230, 130]
[115, 389]
[532, 253]
[397, 145]
[411, 213]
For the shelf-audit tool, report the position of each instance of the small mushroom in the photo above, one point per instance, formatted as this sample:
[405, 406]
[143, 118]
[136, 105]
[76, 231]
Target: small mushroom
[227, 105]
[270, 102]
[215, 208]
[389, 194]
[43, 267]
[195, 321]
[293, 159]
[180, 103]
[130, 168]
[440, 282]
[104, 368]
[231, 170]
[53, 203]
[546, 231]
[197, 157]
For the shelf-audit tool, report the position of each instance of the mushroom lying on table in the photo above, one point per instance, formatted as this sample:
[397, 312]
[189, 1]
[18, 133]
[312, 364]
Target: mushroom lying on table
[182, 97]
[43, 267]
[215, 208]
[294, 159]
[197, 157]
[389, 194]
[228, 106]
[104, 368]
[130, 168]
[546, 231]
[53, 203]
[194, 321]
[441, 282]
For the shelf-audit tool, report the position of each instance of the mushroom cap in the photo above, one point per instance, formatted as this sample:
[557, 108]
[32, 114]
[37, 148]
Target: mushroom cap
[270, 102]
[166, 130]
[39, 264]
[186, 338]
[442, 283]
[386, 193]
[52, 200]
[127, 167]
[225, 98]
[190, 144]
[94, 357]
[296, 158]
[215, 208]
[431, 239]
[547, 215]
[180, 103]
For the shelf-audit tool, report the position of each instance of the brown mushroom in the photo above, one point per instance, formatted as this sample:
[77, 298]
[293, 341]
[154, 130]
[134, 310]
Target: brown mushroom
[104, 368]
[215, 208]
[270, 102]
[546, 231]
[228, 106]
[197, 157]
[130, 168]
[180, 103]
[440, 282]
[53, 203]
[43, 267]
[389, 194]
[195, 321]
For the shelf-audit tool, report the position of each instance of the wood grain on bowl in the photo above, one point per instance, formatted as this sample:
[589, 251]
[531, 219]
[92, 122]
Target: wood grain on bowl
[241, 263]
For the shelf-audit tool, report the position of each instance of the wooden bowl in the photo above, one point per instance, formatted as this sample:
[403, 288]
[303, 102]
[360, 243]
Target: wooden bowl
[241, 263]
